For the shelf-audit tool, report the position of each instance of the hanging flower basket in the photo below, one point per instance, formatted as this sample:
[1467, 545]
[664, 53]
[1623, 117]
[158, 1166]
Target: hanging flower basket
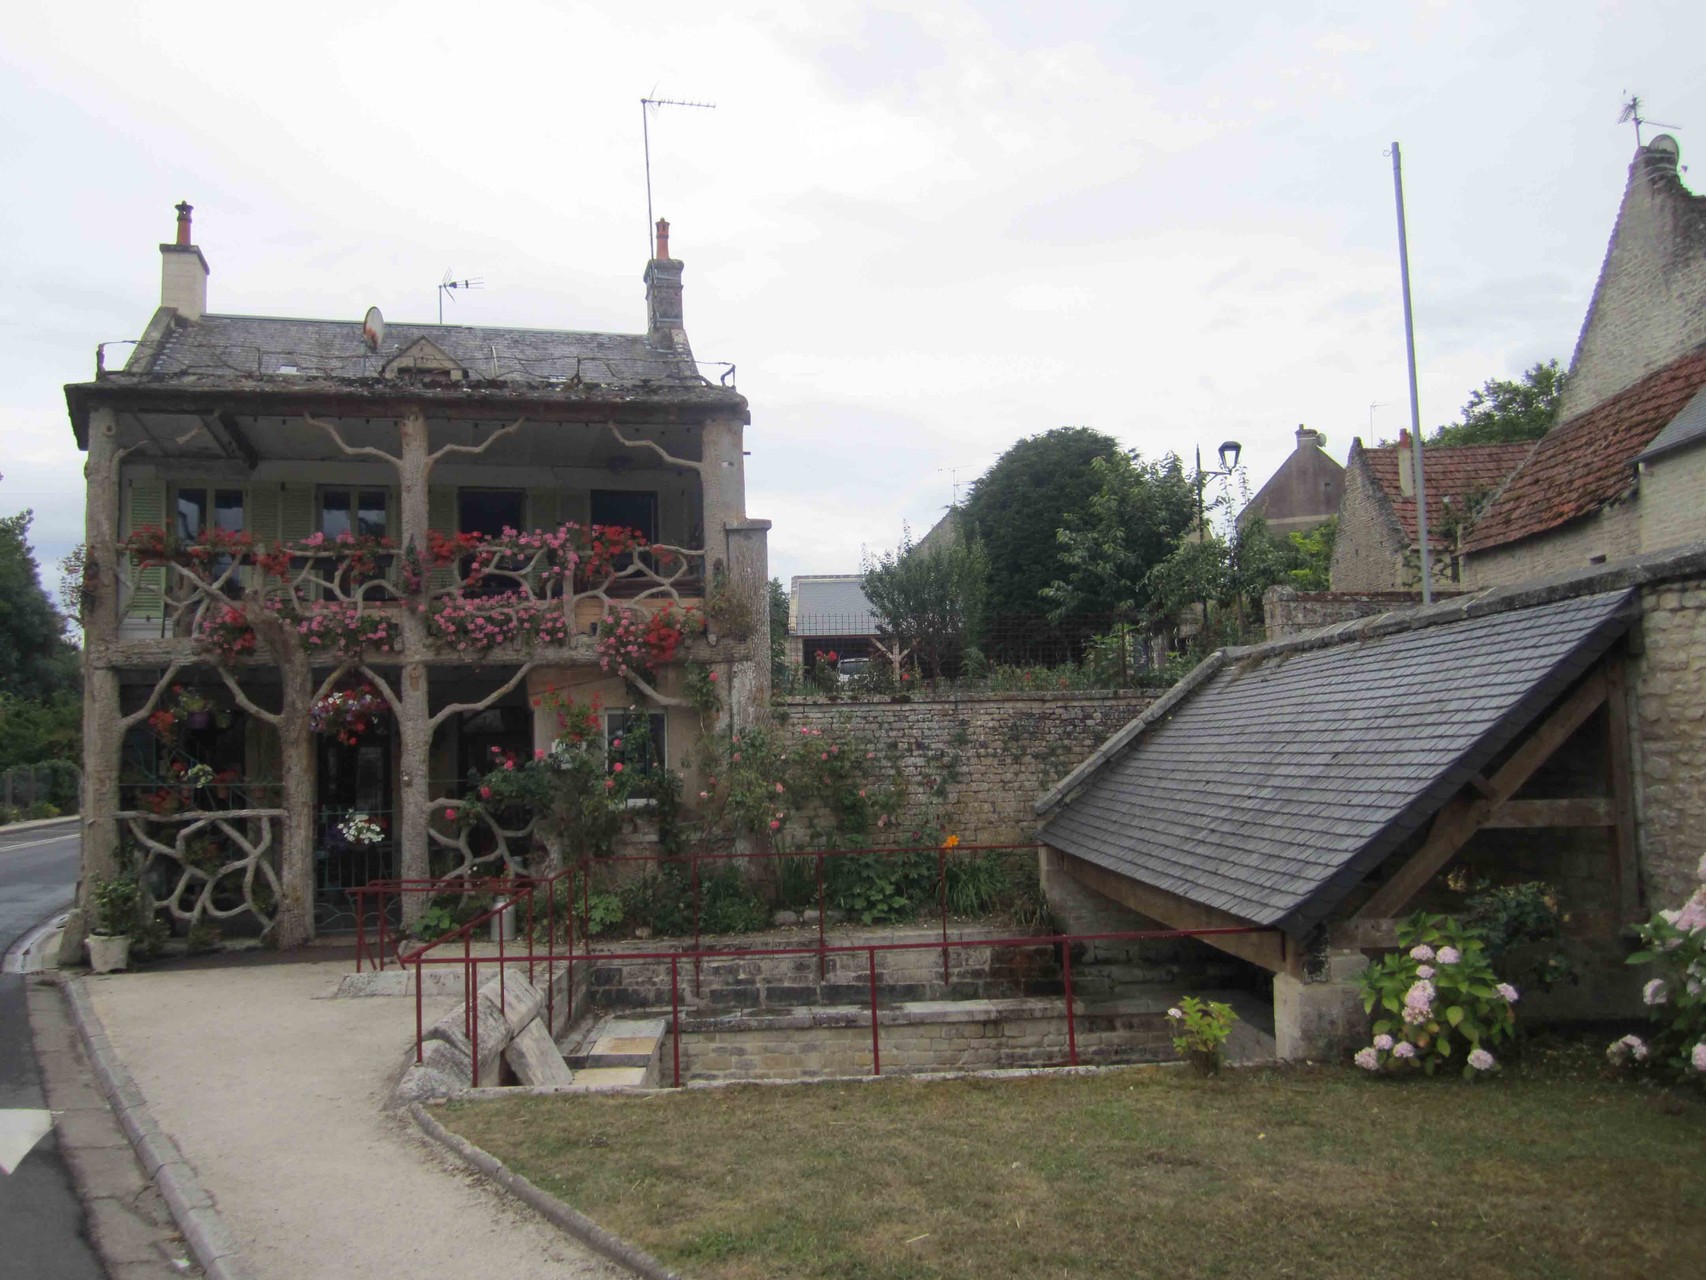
[347, 714]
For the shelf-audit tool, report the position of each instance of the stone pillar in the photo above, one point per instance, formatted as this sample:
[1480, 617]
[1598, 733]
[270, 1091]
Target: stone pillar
[1324, 1019]
[414, 725]
[749, 576]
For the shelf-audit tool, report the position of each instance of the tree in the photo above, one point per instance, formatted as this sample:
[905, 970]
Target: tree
[1017, 507]
[1307, 558]
[1130, 524]
[36, 661]
[1502, 410]
[778, 632]
[1225, 577]
[930, 602]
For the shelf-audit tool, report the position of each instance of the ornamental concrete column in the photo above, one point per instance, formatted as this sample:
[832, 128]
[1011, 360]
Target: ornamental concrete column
[414, 723]
[1323, 1018]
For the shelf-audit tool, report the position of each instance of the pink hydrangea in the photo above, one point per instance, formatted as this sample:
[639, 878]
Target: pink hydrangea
[1621, 1051]
[1418, 1002]
[1383, 1042]
[1404, 1049]
[1367, 1059]
[1481, 1060]
[1508, 993]
[1424, 971]
[1655, 992]
[1698, 1057]
[1421, 951]
[1449, 955]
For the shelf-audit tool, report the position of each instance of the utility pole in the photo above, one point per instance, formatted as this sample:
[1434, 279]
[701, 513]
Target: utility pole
[1415, 404]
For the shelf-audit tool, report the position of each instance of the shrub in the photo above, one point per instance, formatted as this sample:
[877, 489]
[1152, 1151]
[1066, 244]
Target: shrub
[881, 888]
[117, 902]
[1676, 998]
[727, 904]
[1442, 995]
[1200, 1028]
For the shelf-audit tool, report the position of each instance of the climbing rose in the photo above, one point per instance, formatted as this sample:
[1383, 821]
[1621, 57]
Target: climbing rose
[1449, 955]
[1510, 993]
[1481, 1060]
[775, 825]
[1421, 951]
[450, 815]
[1367, 1059]
[617, 767]
[1383, 1043]
[1655, 992]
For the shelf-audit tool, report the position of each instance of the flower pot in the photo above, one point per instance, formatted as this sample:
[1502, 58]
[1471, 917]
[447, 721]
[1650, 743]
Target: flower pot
[108, 952]
[1206, 1061]
[198, 719]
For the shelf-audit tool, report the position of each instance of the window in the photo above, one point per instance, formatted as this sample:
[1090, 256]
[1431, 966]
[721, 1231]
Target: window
[488, 512]
[357, 513]
[198, 510]
[641, 735]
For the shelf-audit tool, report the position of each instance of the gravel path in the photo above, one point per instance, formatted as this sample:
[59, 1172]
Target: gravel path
[278, 1101]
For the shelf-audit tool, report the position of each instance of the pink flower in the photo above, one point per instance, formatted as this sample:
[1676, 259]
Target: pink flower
[1367, 1059]
[1424, 971]
[1655, 992]
[1509, 993]
[617, 767]
[1383, 1043]
[1698, 1057]
[450, 815]
[775, 825]
[712, 677]
[778, 788]
[704, 795]
[1449, 955]
[538, 753]
[485, 793]
[609, 783]
[1403, 1049]
[1481, 1060]
[1421, 951]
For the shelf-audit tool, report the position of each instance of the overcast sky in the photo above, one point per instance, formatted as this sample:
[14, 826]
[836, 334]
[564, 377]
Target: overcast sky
[921, 231]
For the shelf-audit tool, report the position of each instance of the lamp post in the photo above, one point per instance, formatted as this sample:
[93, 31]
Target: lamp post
[1229, 451]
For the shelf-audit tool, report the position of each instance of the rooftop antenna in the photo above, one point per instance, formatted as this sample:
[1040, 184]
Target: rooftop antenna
[1632, 113]
[953, 480]
[1373, 405]
[447, 285]
[646, 105]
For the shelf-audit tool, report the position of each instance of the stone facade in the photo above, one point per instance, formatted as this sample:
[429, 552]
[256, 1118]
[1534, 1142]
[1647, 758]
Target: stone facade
[1368, 550]
[1289, 612]
[1672, 505]
[1611, 533]
[1668, 690]
[1303, 493]
[1649, 305]
[991, 755]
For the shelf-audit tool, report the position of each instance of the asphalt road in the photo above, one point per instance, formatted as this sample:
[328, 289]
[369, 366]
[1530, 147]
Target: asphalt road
[42, 1225]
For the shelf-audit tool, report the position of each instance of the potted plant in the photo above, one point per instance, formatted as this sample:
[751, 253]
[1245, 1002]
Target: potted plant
[197, 707]
[1200, 1028]
[115, 902]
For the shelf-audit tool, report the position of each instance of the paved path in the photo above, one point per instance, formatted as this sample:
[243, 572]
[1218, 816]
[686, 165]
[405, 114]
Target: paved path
[41, 1221]
[278, 1101]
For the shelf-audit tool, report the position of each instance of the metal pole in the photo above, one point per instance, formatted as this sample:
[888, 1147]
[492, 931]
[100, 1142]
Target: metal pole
[675, 1016]
[942, 897]
[651, 226]
[420, 1030]
[1071, 1033]
[1415, 403]
[876, 1047]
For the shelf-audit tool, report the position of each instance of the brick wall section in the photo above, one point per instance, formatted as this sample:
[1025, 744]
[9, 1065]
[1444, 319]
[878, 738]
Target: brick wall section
[1368, 549]
[1668, 690]
[1006, 749]
[1672, 500]
[1611, 533]
[1289, 612]
[972, 1036]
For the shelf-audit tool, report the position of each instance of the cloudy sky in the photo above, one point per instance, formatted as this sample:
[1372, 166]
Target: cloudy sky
[921, 231]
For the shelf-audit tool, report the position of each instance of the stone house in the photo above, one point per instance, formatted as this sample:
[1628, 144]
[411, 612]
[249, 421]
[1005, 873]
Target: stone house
[1377, 547]
[828, 613]
[1303, 492]
[334, 567]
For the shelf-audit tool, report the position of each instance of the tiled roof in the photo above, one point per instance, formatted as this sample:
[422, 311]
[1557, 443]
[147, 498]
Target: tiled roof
[1688, 427]
[270, 345]
[1582, 464]
[832, 605]
[1457, 471]
[1273, 786]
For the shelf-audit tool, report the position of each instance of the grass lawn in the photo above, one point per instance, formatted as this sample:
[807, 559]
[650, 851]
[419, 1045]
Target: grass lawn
[1547, 1170]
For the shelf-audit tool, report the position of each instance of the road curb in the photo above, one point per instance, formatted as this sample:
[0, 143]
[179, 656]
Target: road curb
[192, 1208]
[36, 823]
[565, 1218]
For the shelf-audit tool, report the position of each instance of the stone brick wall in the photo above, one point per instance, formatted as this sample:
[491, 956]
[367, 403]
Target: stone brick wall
[1289, 612]
[1647, 307]
[1672, 502]
[1611, 533]
[972, 1035]
[998, 752]
[1368, 548]
[1668, 691]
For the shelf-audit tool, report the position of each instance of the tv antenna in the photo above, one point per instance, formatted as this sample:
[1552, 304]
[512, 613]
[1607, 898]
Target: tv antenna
[447, 285]
[1373, 405]
[646, 105]
[954, 480]
[1632, 113]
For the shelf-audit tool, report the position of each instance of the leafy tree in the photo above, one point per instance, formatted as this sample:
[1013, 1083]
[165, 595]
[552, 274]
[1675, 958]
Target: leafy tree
[1017, 507]
[36, 661]
[1307, 557]
[1502, 410]
[1130, 524]
[778, 631]
[930, 602]
[1224, 577]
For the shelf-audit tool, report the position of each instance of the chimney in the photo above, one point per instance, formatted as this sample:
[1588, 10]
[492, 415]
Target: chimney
[663, 287]
[183, 272]
[1406, 475]
[1661, 156]
[1307, 438]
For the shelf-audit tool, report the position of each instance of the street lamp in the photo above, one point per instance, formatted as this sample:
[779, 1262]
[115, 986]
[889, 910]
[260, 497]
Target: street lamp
[1229, 451]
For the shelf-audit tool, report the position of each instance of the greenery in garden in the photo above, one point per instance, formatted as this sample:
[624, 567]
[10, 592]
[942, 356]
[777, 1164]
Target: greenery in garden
[1675, 946]
[930, 603]
[40, 710]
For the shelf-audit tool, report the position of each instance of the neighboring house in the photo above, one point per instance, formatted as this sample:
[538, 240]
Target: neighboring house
[1647, 306]
[280, 509]
[1377, 547]
[1314, 791]
[1581, 498]
[1303, 493]
[828, 613]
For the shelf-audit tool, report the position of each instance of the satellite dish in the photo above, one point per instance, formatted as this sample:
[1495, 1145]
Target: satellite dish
[373, 328]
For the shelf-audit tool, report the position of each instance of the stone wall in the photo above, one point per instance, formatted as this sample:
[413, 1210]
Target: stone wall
[1368, 549]
[1612, 533]
[972, 1035]
[993, 755]
[1668, 691]
[1289, 612]
[1671, 508]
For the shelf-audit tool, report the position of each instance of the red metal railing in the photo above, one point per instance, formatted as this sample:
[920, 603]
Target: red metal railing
[471, 963]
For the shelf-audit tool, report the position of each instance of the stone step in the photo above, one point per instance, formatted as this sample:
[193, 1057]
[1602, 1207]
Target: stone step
[615, 1045]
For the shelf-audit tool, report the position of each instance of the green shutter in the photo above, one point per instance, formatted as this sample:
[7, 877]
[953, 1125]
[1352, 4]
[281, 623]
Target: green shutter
[296, 512]
[441, 518]
[575, 507]
[147, 507]
[262, 515]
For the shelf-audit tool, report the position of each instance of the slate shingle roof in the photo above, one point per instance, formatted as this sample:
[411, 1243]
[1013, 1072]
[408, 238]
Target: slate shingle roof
[831, 606]
[1688, 427]
[1276, 785]
[1582, 464]
[1456, 471]
[264, 345]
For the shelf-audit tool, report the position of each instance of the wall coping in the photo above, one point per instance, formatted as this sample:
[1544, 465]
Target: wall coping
[1059, 696]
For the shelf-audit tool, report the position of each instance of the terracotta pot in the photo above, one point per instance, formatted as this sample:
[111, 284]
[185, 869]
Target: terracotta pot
[108, 953]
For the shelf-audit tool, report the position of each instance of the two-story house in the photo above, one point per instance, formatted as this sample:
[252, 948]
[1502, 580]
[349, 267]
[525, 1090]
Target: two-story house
[334, 567]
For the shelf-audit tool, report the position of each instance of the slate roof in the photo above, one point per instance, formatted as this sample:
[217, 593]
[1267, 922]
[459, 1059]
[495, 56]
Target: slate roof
[1455, 471]
[1688, 427]
[265, 345]
[830, 605]
[1580, 465]
[1276, 782]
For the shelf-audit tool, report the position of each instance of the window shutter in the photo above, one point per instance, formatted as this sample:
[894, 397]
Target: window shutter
[295, 512]
[147, 507]
[575, 507]
[262, 521]
[441, 518]
[542, 509]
